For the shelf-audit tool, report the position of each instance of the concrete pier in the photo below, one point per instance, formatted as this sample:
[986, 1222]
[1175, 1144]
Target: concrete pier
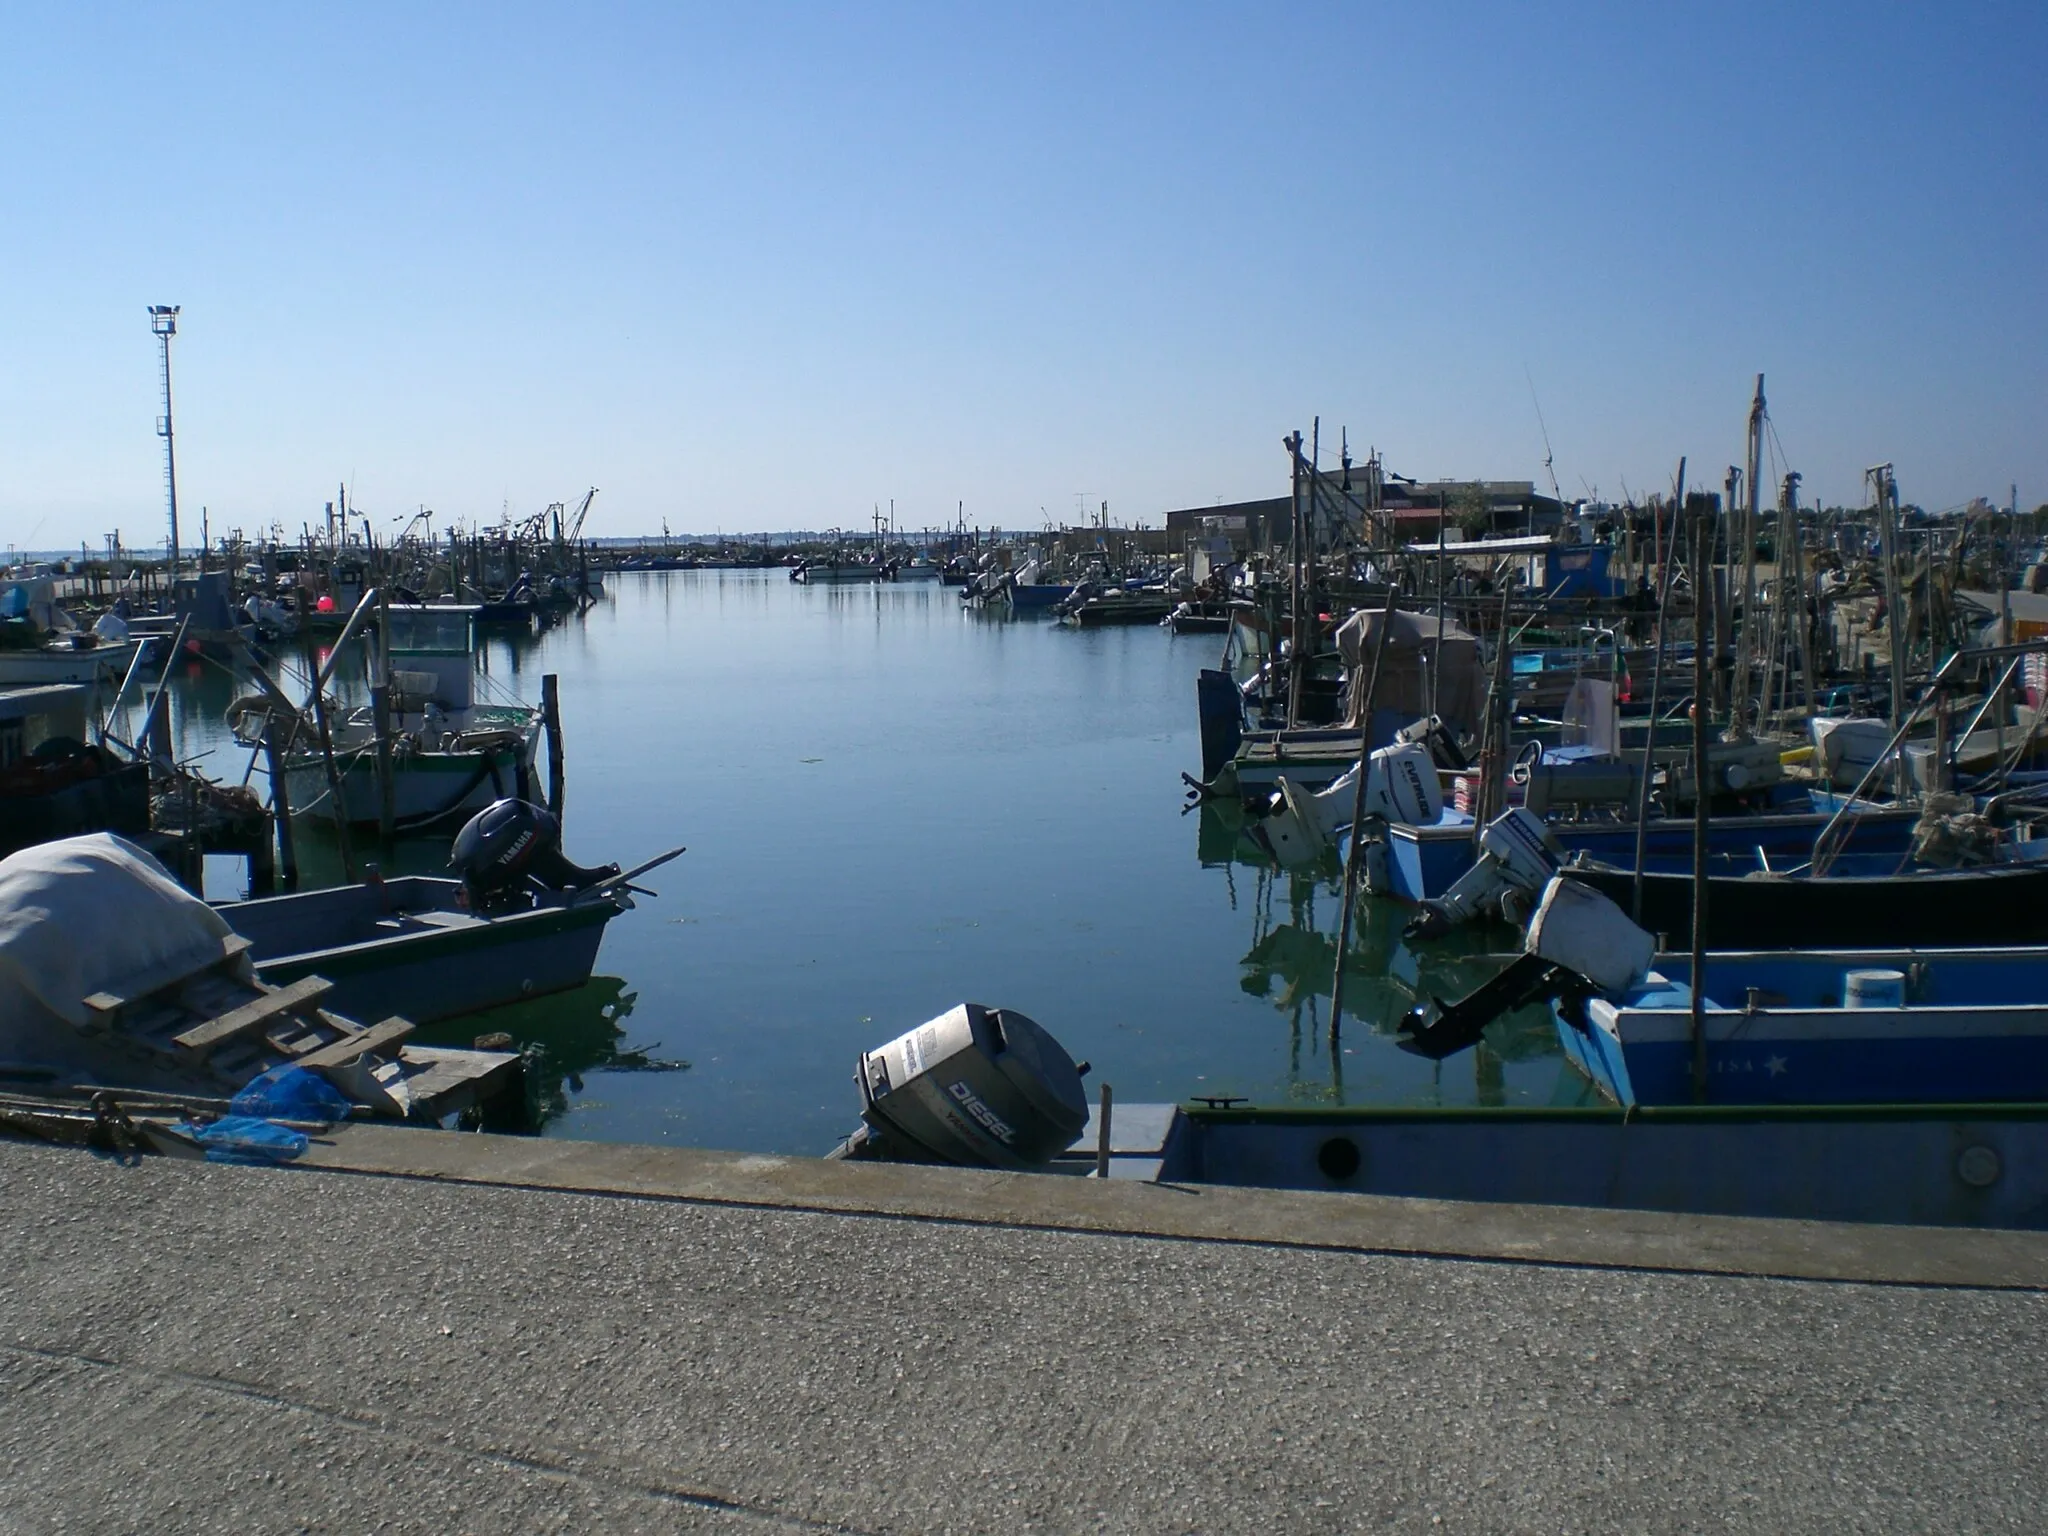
[446, 1333]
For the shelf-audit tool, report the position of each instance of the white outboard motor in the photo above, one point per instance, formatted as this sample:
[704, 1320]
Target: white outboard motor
[976, 1087]
[1579, 945]
[1581, 930]
[1517, 858]
[1401, 786]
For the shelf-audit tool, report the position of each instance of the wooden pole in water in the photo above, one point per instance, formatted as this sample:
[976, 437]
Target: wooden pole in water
[1297, 662]
[551, 723]
[1353, 857]
[348, 863]
[1490, 800]
[280, 805]
[1703, 512]
[380, 714]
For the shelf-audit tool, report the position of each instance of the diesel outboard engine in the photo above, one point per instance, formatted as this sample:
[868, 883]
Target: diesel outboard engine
[509, 847]
[976, 1087]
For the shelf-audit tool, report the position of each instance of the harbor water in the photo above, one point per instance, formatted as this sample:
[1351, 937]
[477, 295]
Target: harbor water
[892, 805]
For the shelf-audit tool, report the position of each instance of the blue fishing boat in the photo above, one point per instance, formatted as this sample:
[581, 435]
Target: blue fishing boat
[1423, 862]
[1846, 1026]
[1034, 595]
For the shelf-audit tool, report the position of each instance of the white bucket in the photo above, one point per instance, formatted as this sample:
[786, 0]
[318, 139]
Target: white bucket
[1874, 989]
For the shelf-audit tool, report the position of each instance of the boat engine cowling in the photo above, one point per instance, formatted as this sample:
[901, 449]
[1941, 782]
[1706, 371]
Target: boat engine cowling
[976, 1087]
[509, 847]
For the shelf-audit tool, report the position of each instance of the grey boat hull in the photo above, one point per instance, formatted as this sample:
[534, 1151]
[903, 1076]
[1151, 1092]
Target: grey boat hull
[406, 947]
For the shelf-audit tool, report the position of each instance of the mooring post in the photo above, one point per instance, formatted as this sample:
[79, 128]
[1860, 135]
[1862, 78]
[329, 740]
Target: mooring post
[280, 806]
[551, 723]
[1354, 858]
[380, 715]
[1102, 1135]
[1703, 511]
[334, 783]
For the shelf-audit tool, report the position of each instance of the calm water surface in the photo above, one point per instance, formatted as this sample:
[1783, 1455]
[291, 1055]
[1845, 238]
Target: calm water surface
[891, 806]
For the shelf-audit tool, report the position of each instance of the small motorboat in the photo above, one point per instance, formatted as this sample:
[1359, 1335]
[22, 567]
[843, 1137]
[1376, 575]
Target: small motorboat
[516, 921]
[114, 977]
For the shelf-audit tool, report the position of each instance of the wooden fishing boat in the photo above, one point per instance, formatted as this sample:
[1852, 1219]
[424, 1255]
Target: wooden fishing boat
[441, 768]
[450, 755]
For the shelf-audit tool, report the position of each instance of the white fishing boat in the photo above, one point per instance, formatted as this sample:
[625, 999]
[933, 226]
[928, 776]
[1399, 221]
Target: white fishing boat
[77, 657]
[41, 644]
[449, 754]
[835, 571]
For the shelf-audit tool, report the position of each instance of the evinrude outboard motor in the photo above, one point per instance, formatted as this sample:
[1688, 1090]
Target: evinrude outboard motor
[977, 1087]
[509, 847]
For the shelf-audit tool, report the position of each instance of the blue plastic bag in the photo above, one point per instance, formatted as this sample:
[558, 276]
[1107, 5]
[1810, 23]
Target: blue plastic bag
[290, 1093]
[246, 1139]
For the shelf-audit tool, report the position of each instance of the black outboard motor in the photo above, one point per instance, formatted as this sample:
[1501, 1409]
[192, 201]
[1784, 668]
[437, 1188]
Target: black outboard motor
[511, 846]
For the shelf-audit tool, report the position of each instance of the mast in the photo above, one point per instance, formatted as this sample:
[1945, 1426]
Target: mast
[1726, 512]
[1886, 495]
[1746, 653]
[1789, 529]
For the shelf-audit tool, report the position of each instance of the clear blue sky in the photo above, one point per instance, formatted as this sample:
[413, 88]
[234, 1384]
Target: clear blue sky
[757, 266]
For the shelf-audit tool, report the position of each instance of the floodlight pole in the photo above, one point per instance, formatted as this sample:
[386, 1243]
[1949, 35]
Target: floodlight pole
[163, 322]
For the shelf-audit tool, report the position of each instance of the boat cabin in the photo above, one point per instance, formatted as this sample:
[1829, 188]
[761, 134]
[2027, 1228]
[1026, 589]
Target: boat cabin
[30, 717]
[436, 641]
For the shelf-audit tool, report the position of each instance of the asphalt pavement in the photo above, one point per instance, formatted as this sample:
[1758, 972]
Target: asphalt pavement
[187, 1347]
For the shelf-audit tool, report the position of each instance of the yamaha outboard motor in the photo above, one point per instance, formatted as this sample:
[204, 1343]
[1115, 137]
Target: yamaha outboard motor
[511, 846]
[976, 1087]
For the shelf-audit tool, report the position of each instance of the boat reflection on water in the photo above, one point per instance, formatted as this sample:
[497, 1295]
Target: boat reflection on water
[564, 1037]
[1292, 962]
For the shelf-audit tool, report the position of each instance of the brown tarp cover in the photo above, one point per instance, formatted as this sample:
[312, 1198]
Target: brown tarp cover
[1405, 672]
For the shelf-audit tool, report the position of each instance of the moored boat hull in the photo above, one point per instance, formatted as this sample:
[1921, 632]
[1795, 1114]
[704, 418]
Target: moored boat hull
[1969, 1028]
[408, 947]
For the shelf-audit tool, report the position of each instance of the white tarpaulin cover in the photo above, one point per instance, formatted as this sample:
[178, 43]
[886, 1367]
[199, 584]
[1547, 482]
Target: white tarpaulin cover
[93, 914]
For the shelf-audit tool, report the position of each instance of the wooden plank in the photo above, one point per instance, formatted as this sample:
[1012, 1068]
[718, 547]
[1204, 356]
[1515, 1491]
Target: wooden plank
[445, 1079]
[112, 1002]
[254, 1014]
[351, 1048]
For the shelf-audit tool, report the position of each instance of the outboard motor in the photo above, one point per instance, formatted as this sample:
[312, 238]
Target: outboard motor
[1517, 858]
[509, 847]
[976, 1087]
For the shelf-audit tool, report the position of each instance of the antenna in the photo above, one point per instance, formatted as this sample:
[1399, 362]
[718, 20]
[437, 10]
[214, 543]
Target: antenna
[163, 324]
[1555, 493]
